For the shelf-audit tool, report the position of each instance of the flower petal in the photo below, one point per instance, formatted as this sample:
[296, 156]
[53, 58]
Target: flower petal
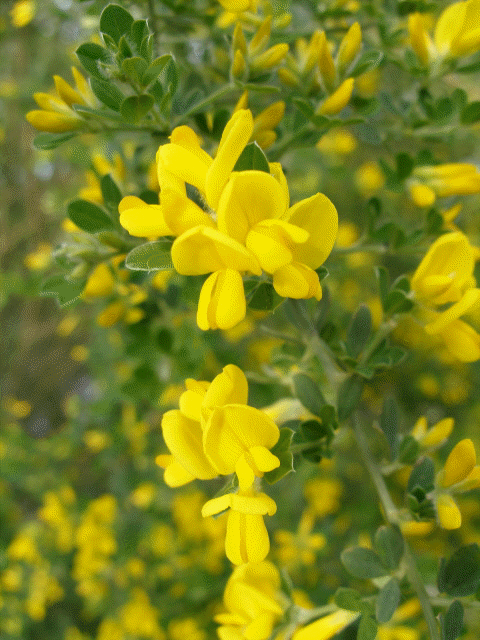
[222, 303]
[184, 164]
[459, 463]
[142, 220]
[449, 514]
[469, 301]
[228, 387]
[216, 505]
[326, 627]
[462, 341]
[181, 213]
[449, 26]
[264, 460]
[297, 281]
[254, 504]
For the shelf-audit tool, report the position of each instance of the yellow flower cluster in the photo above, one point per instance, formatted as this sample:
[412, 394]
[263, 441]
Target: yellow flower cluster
[456, 34]
[445, 275]
[56, 114]
[251, 228]
[441, 181]
[458, 475]
[216, 433]
[255, 56]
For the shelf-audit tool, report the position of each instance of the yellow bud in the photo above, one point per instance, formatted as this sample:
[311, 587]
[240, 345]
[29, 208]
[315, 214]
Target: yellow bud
[100, 283]
[261, 38]
[239, 41]
[338, 100]
[270, 117]
[422, 195]
[238, 66]
[325, 62]
[110, 315]
[459, 464]
[349, 46]
[287, 77]
[449, 514]
[282, 21]
[270, 57]
[242, 102]
[53, 122]
[418, 37]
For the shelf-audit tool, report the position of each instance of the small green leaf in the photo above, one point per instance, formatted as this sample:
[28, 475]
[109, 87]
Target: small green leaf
[389, 424]
[348, 599]
[367, 629]
[460, 576]
[308, 393]
[66, 292]
[471, 113]
[155, 68]
[297, 313]
[170, 73]
[423, 475]
[362, 563]
[264, 298]
[368, 61]
[111, 194]
[146, 49]
[383, 282]
[152, 256]
[115, 21]
[134, 68]
[452, 623]
[134, 108]
[283, 453]
[349, 396]
[47, 141]
[387, 601]
[359, 331]
[397, 302]
[409, 449]
[88, 216]
[390, 546]
[138, 31]
[90, 56]
[107, 93]
[404, 165]
[252, 157]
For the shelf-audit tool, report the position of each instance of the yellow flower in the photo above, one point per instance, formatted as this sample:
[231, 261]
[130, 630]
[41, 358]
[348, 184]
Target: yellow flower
[247, 538]
[338, 100]
[22, 13]
[440, 181]
[435, 436]
[100, 283]
[458, 475]
[56, 114]
[40, 258]
[326, 627]
[236, 6]
[266, 121]
[456, 33]
[251, 601]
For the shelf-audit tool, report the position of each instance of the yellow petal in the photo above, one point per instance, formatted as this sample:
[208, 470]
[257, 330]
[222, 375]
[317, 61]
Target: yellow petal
[257, 542]
[269, 118]
[264, 460]
[338, 100]
[459, 463]
[203, 250]
[184, 439]
[297, 281]
[469, 302]
[235, 538]
[248, 198]
[448, 26]
[190, 403]
[100, 283]
[228, 387]
[269, 247]
[183, 164]
[222, 303]
[66, 92]
[235, 5]
[270, 57]
[142, 220]
[260, 627]
[449, 514]
[216, 505]
[467, 43]
[420, 428]
[472, 481]
[318, 216]
[176, 476]
[326, 64]
[326, 627]
[255, 504]
[438, 433]
[418, 37]
[349, 46]
[235, 137]
[462, 341]
[83, 87]
[244, 473]
[276, 171]
[261, 38]
[422, 195]
[53, 122]
[181, 213]
[52, 103]
[188, 139]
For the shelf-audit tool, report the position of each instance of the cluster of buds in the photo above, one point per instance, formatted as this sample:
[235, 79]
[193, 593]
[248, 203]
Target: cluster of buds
[255, 57]
[430, 182]
[246, 225]
[56, 114]
[445, 275]
[215, 432]
[265, 122]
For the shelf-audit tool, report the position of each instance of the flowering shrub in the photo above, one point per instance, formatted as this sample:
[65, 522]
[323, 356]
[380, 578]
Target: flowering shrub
[259, 418]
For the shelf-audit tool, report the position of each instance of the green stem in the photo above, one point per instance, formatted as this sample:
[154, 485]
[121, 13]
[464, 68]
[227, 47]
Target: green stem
[391, 515]
[203, 103]
[358, 247]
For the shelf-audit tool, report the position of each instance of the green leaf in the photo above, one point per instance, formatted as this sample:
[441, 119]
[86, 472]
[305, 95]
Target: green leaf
[314, 430]
[88, 216]
[308, 393]
[359, 331]
[66, 292]
[90, 56]
[283, 453]
[423, 475]
[115, 21]
[146, 50]
[134, 108]
[362, 563]
[111, 194]
[389, 424]
[387, 601]
[264, 298]
[368, 61]
[297, 313]
[383, 282]
[390, 546]
[367, 629]
[252, 157]
[349, 599]
[155, 68]
[107, 93]
[409, 449]
[170, 74]
[152, 256]
[349, 396]
[138, 31]
[404, 165]
[124, 49]
[460, 576]
[47, 141]
[452, 623]
[134, 68]
[471, 113]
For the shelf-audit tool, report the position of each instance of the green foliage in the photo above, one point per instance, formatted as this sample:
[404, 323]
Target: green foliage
[389, 424]
[460, 575]
[308, 393]
[88, 217]
[363, 563]
[152, 256]
[283, 453]
[389, 545]
[252, 158]
[451, 623]
[388, 601]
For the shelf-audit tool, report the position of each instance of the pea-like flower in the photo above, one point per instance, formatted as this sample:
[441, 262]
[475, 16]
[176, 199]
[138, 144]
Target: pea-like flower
[56, 114]
[433, 437]
[456, 33]
[458, 475]
[326, 627]
[253, 601]
[247, 537]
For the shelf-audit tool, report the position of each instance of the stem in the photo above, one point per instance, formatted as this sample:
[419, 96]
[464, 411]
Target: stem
[357, 247]
[211, 98]
[391, 514]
